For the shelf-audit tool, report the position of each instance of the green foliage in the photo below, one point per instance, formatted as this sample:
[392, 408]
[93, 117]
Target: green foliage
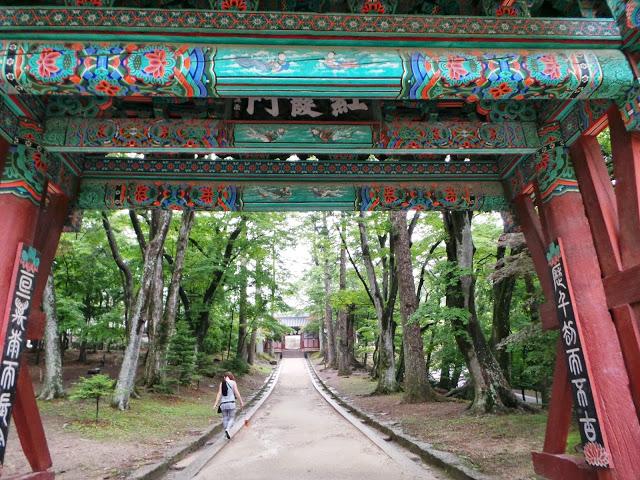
[94, 387]
[313, 326]
[181, 356]
[235, 365]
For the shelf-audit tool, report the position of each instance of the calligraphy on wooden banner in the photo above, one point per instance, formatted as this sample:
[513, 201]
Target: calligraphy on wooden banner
[595, 451]
[14, 331]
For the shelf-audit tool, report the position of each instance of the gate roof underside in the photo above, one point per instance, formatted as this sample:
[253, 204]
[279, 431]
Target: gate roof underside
[331, 108]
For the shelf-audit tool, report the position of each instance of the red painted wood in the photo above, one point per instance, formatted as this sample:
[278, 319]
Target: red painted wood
[51, 220]
[625, 147]
[609, 379]
[562, 467]
[548, 315]
[26, 418]
[627, 321]
[532, 230]
[18, 219]
[559, 418]
[623, 287]
[544, 224]
[599, 201]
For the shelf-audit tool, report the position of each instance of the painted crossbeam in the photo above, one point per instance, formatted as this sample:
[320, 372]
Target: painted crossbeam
[205, 136]
[265, 196]
[262, 28]
[281, 170]
[191, 70]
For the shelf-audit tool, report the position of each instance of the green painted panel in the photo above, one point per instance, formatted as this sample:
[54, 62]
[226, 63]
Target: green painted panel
[291, 135]
[267, 196]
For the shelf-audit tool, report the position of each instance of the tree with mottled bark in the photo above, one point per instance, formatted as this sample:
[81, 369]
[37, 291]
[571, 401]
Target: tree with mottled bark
[491, 391]
[416, 386]
[241, 345]
[127, 375]
[123, 266]
[157, 355]
[383, 300]
[52, 386]
[342, 337]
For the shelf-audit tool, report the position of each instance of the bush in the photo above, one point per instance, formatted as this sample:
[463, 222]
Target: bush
[96, 386]
[181, 357]
[236, 365]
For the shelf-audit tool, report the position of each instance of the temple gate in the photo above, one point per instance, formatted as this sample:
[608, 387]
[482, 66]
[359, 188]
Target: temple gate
[261, 105]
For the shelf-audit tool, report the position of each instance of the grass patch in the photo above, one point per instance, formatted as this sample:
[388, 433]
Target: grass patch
[150, 417]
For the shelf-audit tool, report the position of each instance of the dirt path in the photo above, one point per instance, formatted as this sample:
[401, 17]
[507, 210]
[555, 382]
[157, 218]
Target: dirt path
[296, 434]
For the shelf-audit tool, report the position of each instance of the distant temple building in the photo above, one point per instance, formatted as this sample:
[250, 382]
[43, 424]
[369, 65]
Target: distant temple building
[299, 339]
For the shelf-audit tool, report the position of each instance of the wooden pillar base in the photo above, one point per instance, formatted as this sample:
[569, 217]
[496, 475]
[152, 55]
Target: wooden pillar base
[562, 467]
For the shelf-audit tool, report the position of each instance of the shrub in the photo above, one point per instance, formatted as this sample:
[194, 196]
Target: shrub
[96, 386]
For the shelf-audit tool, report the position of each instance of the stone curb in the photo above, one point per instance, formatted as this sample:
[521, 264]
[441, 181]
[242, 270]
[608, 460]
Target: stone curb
[448, 462]
[156, 470]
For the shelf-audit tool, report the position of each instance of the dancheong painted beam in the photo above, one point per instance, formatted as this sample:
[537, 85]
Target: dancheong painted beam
[213, 196]
[187, 70]
[204, 136]
[264, 28]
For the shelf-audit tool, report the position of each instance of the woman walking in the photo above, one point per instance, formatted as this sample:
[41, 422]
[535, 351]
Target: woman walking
[226, 401]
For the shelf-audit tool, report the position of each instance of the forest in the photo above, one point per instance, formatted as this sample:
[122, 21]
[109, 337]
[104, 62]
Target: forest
[430, 304]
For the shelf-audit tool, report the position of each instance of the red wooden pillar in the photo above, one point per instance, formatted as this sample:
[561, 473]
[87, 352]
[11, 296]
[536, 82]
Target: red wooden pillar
[613, 215]
[22, 220]
[18, 221]
[51, 220]
[565, 216]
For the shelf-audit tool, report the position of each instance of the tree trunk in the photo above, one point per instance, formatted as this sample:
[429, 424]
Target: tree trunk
[386, 362]
[171, 307]
[52, 386]
[126, 377]
[351, 347]
[251, 350]
[154, 324]
[491, 391]
[125, 270]
[259, 311]
[330, 348]
[502, 295]
[344, 357]
[501, 327]
[416, 384]
[241, 348]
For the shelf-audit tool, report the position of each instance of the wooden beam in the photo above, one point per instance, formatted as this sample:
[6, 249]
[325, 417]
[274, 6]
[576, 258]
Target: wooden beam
[625, 147]
[559, 417]
[51, 220]
[229, 71]
[627, 321]
[599, 201]
[532, 230]
[623, 287]
[196, 136]
[562, 467]
[26, 417]
[600, 344]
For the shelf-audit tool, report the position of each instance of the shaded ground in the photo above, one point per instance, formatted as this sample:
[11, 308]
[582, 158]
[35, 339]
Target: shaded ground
[296, 434]
[497, 445]
[122, 441]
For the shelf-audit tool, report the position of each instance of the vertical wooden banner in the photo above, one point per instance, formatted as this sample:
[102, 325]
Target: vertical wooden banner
[593, 440]
[14, 332]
